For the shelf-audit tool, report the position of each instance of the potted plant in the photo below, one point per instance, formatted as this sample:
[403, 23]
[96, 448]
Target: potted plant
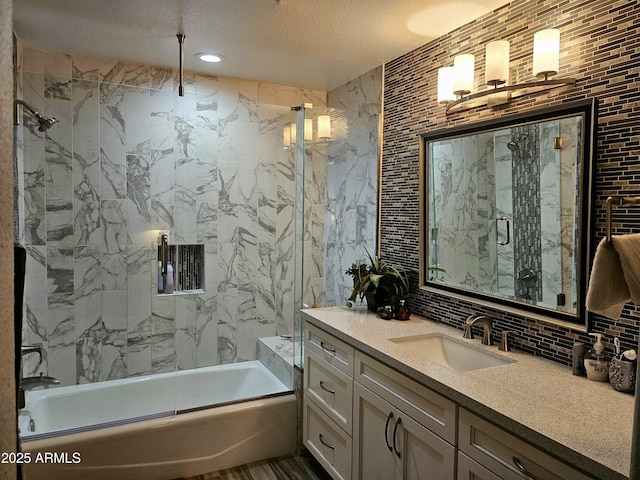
[380, 283]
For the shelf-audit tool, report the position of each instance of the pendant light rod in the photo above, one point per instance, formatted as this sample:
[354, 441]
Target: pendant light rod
[181, 38]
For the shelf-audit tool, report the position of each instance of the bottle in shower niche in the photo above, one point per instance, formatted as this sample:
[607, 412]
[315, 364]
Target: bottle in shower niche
[168, 286]
[160, 278]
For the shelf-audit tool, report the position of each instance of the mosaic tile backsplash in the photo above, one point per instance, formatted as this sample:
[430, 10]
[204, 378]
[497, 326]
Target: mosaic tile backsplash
[600, 47]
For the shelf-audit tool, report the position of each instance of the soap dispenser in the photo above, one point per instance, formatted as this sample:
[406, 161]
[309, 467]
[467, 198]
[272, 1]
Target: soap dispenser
[597, 361]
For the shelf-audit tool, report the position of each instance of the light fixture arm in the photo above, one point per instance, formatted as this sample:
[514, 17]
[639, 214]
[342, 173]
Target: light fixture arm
[181, 38]
[469, 101]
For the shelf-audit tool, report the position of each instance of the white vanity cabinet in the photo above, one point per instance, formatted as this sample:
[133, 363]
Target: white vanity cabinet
[506, 455]
[364, 420]
[391, 445]
[399, 428]
[328, 401]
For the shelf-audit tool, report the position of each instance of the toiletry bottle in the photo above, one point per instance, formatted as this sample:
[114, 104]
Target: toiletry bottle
[597, 361]
[577, 358]
[168, 287]
[160, 278]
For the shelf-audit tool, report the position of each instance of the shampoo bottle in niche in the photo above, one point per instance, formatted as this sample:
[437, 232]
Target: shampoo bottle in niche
[160, 278]
[597, 361]
[168, 286]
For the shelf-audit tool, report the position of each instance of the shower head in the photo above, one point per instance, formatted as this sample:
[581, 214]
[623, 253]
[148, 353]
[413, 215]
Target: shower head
[45, 123]
[514, 145]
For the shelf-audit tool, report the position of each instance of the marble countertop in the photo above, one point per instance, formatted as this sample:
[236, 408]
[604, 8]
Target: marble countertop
[585, 423]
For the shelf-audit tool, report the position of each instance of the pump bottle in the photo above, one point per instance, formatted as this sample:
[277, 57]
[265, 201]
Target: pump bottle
[597, 361]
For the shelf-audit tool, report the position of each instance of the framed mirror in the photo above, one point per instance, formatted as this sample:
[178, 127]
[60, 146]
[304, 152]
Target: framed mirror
[506, 211]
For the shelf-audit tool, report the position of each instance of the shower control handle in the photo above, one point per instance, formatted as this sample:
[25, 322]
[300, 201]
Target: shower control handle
[508, 239]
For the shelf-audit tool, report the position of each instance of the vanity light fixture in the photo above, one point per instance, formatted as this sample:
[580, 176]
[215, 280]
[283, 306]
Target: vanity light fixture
[455, 84]
[324, 126]
[290, 132]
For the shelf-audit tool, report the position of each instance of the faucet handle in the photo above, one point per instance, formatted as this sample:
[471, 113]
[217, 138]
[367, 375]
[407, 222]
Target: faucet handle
[467, 327]
[504, 343]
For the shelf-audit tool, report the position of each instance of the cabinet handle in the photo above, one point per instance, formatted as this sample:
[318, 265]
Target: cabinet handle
[523, 469]
[326, 389]
[395, 429]
[328, 445]
[386, 431]
[332, 351]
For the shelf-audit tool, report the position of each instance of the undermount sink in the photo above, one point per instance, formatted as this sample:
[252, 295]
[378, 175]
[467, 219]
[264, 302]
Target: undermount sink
[459, 355]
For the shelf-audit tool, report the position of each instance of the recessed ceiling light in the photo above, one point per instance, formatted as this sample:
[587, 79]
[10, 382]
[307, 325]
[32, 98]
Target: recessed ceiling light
[209, 57]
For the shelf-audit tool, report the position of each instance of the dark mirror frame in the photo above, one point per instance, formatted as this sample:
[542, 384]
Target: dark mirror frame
[587, 108]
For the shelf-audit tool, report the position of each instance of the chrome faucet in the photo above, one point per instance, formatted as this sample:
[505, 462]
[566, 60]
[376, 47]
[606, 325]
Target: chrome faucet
[29, 383]
[483, 320]
[26, 349]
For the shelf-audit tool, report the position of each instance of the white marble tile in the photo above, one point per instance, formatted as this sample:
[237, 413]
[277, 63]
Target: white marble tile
[137, 120]
[114, 309]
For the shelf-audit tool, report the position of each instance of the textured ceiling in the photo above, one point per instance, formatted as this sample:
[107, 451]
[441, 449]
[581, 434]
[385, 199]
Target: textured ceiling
[317, 44]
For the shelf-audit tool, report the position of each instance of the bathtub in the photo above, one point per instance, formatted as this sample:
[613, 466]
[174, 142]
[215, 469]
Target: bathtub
[158, 427]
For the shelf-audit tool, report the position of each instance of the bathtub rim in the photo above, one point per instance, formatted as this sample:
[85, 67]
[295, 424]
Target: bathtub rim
[43, 394]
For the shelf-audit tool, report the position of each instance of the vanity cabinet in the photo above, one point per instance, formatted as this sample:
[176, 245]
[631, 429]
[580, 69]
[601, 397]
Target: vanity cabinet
[364, 420]
[400, 429]
[390, 444]
[328, 401]
[506, 455]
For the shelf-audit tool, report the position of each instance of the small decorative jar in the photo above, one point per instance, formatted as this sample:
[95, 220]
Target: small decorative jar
[404, 311]
[386, 312]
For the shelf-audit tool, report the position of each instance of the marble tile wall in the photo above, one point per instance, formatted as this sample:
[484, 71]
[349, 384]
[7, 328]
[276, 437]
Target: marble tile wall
[130, 160]
[351, 216]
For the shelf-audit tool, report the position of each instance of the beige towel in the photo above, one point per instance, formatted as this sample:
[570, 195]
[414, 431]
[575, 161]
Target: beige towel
[615, 276]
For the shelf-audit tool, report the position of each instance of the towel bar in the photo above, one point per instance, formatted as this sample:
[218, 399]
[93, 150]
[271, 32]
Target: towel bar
[618, 202]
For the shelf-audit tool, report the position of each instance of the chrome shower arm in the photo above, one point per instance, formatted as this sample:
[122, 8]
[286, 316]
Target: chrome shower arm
[45, 123]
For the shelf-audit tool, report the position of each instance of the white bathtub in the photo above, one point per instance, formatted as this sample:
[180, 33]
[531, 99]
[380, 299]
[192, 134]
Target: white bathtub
[160, 444]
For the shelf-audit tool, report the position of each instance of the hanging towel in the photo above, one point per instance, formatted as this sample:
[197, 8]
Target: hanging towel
[615, 276]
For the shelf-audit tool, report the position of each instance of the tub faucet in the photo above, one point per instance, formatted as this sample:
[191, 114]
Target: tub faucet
[26, 349]
[29, 383]
[483, 320]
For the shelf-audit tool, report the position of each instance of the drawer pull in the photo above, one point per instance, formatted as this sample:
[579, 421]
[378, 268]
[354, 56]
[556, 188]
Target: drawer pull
[332, 351]
[326, 389]
[395, 429]
[523, 469]
[386, 431]
[328, 445]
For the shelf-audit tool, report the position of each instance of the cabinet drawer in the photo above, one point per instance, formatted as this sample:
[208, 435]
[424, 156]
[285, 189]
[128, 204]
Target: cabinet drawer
[428, 408]
[330, 389]
[328, 443]
[471, 470]
[333, 351]
[501, 452]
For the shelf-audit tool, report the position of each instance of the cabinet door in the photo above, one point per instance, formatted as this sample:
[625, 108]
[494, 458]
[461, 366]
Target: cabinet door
[391, 445]
[374, 418]
[423, 455]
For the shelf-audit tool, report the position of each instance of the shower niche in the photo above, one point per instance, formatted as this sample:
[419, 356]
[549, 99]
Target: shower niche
[180, 268]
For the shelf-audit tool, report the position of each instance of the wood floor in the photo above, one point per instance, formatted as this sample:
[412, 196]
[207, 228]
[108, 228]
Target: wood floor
[282, 468]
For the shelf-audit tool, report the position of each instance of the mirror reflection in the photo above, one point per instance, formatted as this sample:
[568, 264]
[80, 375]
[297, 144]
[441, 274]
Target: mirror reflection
[504, 208]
